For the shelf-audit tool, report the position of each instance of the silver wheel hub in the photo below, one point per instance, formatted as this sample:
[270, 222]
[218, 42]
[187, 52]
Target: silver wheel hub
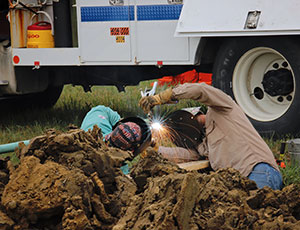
[261, 101]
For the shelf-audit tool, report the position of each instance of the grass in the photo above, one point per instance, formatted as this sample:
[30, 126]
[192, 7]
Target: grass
[291, 173]
[74, 103]
[71, 108]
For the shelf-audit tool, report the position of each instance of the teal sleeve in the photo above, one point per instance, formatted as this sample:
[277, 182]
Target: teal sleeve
[105, 118]
[114, 117]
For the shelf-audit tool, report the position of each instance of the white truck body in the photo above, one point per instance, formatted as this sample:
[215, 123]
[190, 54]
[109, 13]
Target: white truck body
[201, 18]
[250, 46]
[142, 45]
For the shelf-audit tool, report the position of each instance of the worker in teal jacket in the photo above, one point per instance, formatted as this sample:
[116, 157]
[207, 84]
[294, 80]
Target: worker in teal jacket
[124, 136]
[102, 116]
[131, 133]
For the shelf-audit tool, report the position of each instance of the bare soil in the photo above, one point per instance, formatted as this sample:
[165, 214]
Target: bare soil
[72, 180]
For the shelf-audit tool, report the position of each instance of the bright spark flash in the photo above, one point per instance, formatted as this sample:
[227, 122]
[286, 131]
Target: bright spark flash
[163, 134]
[160, 131]
[156, 125]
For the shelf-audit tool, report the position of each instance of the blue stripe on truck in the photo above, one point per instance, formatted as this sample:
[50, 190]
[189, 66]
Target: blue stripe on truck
[158, 12]
[107, 13]
[126, 13]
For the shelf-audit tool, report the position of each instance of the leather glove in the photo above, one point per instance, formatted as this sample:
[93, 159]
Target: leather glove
[147, 103]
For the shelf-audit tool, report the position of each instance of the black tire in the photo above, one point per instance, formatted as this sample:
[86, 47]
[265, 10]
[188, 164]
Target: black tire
[241, 60]
[47, 98]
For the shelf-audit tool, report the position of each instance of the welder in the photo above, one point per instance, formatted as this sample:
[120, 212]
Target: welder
[230, 139]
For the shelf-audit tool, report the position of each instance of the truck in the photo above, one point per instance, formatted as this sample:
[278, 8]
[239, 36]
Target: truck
[251, 47]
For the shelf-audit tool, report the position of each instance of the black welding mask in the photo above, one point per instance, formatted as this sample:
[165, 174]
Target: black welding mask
[185, 130]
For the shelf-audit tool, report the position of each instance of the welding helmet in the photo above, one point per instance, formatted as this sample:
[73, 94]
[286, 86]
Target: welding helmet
[144, 141]
[185, 130]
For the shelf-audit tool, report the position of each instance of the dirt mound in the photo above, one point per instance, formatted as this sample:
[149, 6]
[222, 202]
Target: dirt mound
[175, 199]
[72, 180]
[67, 181]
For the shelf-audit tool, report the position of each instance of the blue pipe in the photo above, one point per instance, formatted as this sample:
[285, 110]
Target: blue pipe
[6, 148]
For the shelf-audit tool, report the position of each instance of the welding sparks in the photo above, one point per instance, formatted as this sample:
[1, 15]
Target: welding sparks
[161, 133]
[170, 132]
[158, 130]
[157, 126]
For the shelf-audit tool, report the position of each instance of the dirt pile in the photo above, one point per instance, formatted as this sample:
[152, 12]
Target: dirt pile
[67, 181]
[72, 180]
[175, 199]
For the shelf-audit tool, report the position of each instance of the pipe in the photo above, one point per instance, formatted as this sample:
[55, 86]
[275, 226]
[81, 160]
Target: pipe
[62, 24]
[6, 148]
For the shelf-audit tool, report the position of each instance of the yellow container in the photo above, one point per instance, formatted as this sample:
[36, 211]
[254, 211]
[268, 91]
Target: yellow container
[39, 35]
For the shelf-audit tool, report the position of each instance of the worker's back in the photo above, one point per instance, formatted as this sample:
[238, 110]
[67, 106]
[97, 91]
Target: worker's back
[232, 141]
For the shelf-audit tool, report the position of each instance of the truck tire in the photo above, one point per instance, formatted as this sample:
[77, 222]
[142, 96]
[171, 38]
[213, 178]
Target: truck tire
[262, 74]
[47, 98]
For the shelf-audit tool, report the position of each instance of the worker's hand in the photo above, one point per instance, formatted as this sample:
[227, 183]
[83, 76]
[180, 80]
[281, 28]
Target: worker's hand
[147, 103]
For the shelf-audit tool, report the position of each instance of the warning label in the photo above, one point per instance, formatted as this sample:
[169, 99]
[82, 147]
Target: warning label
[116, 31]
[120, 39]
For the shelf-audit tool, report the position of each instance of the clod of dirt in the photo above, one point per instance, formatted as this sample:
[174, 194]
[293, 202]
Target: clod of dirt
[78, 149]
[72, 180]
[5, 165]
[152, 166]
[5, 222]
[43, 191]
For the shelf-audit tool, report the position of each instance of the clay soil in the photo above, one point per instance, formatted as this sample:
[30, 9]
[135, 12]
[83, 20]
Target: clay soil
[73, 181]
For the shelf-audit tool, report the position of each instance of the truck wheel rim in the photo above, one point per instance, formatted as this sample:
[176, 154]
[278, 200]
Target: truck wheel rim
[248, 89]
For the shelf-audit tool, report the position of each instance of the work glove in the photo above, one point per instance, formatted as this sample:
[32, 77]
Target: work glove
[148, 102]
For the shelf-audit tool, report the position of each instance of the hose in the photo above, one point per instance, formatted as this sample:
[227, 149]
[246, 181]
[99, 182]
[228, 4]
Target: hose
[6, 148]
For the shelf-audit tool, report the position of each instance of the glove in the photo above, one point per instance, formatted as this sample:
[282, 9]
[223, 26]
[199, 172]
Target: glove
[147, 103]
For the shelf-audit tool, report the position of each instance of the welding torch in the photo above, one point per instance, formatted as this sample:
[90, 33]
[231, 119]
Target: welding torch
[146, 93]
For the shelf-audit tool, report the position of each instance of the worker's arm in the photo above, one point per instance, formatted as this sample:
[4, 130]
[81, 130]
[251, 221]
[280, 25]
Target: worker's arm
[178, 154]
[205, 94]
[201, 92]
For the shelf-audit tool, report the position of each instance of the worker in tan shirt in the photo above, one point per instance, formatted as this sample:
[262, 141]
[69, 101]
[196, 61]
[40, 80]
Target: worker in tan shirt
[230, 139]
